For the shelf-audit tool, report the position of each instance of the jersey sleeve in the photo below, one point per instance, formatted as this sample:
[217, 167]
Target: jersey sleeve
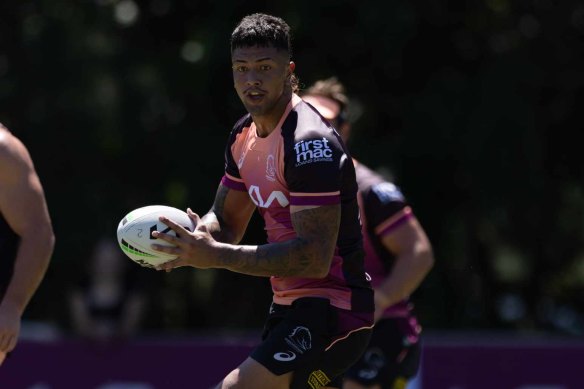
[314, 169]
[385, 208]
[231, 178]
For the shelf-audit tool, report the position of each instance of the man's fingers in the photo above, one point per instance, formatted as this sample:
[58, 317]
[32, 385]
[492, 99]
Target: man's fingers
[174, 250]
[4, 342]
[11, 343]
[173, 225]
[194, 217]
[167, 237]
[170, 265]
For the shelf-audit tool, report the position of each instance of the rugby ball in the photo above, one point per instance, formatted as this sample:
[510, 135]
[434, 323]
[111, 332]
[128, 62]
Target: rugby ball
[135, 233]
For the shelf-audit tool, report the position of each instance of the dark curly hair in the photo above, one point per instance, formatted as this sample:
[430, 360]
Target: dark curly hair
[265, 31]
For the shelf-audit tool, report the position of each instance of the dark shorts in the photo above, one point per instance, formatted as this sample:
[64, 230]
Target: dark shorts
[298, 338]
[388, 358]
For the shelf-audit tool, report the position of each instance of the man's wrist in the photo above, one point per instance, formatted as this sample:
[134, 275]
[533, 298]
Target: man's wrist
[11, 306]
[382, 300]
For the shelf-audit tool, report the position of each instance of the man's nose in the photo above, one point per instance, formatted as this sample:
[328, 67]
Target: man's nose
[252, 79]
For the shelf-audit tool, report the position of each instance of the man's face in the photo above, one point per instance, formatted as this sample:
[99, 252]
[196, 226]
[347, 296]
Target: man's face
[260, 76]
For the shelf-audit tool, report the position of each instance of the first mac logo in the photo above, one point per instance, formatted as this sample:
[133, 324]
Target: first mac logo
[316, 150]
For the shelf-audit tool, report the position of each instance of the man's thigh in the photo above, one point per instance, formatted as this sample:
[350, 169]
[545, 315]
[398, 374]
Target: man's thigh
[252, 375]
[388, 361]
[297, 343]
[328, 371]
[296, 337]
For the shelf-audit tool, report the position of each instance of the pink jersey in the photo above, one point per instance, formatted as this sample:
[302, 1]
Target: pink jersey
[302, 162]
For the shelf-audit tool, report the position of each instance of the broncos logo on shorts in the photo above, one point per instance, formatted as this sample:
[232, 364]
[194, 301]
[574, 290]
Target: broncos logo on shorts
[300, 339]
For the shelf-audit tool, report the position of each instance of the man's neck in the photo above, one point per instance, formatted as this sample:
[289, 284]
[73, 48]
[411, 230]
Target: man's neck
[265, 124]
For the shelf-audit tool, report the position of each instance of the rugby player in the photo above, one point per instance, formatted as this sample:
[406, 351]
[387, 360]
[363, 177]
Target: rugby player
[398, 256]
[285, 160]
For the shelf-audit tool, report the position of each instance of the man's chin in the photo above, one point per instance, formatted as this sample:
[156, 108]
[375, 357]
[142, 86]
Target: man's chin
[255, 109]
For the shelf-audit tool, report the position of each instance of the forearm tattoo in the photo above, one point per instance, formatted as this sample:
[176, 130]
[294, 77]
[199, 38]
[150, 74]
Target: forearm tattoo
[309, 254]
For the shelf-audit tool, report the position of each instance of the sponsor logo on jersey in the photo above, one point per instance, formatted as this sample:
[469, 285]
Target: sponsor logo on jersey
[387, 192]
[258, 200]
[315, 150]
[270, 168]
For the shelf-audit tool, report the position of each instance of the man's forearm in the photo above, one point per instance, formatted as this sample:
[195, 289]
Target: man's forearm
[219, 231]
[285, 259]
[32, 260]
[407, 274]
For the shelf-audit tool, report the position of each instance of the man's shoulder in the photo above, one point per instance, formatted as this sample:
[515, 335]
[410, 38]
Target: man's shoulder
[304, 122]
[366, 176]
[375, 186]
[8, 142]
[13, 152]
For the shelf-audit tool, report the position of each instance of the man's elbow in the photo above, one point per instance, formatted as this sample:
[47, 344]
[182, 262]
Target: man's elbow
[426, 258]
[46, 239]
[320, 272]
[51, 242]
[321, 268]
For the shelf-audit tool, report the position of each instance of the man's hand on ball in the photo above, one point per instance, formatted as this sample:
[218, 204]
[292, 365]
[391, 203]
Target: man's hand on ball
[192, 248]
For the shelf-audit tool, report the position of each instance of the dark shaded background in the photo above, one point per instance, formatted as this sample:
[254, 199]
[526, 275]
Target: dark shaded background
[474, 108]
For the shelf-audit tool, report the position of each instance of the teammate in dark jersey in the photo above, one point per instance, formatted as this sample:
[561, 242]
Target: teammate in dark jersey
[398, 257]
[26, 236]
[285, 160]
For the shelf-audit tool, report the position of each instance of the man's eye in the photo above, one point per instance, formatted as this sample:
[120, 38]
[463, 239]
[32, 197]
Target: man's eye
[265, 67]
[240, 69]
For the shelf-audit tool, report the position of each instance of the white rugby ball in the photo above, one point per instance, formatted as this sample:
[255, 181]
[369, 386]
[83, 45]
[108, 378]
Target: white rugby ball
[135, 233]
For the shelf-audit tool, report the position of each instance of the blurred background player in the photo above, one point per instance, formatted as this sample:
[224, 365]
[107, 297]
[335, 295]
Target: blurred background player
[287, 161]
[26, 236]
[108, 302]
[398, 257]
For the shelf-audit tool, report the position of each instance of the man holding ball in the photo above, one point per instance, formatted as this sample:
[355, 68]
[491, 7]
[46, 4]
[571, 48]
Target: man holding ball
[285, 160]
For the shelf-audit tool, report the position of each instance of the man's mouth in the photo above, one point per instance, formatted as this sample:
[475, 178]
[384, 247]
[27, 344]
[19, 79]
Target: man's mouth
[255, 94]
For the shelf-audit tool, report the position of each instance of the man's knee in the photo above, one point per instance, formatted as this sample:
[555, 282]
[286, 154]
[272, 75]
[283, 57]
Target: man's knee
[252, 375]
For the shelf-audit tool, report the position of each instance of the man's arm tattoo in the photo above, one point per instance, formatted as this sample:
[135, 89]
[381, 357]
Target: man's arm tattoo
[309, 254]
